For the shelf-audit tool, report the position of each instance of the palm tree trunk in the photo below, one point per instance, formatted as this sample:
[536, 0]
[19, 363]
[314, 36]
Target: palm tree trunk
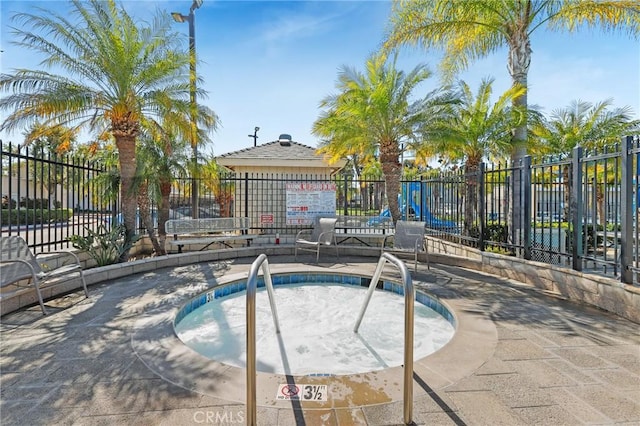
[392, 170]
[471, 198]
[127, 157]
[378, 195]
[143, 203]
[163, 215]
[600, 193]
[566, 179]
[364, 197]
[224, 199]
[604, 178]
[518, 65]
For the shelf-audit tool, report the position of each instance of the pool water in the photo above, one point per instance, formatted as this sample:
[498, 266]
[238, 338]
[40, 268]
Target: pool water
[316, 337]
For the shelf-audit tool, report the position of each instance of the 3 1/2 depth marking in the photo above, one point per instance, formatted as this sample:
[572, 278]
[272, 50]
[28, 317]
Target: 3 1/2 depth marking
[301, 392]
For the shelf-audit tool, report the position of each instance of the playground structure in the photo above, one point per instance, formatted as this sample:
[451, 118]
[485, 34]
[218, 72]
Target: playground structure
[413, 206]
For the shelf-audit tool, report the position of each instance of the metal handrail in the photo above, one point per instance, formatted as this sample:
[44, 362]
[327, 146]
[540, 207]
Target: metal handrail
[252, 285]
[409, 296]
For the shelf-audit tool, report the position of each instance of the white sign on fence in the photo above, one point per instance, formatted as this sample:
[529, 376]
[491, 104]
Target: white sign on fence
[266, 219]
[306, 200]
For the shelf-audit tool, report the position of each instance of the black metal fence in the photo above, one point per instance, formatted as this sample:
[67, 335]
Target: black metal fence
[580, 210]
[47, 197]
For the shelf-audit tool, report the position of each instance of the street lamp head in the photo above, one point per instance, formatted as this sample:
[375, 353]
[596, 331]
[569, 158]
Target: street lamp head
[179, 17]
[255, 136]
[196, 5]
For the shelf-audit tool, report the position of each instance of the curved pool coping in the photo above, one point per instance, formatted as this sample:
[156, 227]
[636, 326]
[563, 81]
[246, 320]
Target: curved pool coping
[157, 346]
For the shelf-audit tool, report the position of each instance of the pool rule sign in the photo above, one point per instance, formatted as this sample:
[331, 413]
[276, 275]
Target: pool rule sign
[308, 200]
[302, 392]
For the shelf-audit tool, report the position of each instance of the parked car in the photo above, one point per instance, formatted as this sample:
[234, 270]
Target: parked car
[119, 218]
[548, 217]
[185, 212]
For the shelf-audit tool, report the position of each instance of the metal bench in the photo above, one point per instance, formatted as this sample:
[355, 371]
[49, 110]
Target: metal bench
[364, 230]
[208, 231]
[21, 268]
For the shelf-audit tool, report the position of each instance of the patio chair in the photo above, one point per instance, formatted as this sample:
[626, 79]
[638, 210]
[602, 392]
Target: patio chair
[323, 234]
[409, 237]
[20, 264]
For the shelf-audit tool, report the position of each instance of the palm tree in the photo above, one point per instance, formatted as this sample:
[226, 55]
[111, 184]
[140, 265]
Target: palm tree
[106, 184]
[476, 131]
[471, 29]
[582, 123]
[53, 139]
[592, 126]
[50, 143]
[372, 171]
[218, 181]
[374, 112]
[163, 159]
[109, 73]
[357, 157]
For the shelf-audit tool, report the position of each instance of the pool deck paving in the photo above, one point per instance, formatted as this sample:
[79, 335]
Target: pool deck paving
[519, 357]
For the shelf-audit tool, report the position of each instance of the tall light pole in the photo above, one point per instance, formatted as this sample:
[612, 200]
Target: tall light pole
[255, 136]
[191, 19]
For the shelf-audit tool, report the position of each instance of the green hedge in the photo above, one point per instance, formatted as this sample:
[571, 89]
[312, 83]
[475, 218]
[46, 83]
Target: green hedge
[34, 217]
[493, 231]
[589, 235]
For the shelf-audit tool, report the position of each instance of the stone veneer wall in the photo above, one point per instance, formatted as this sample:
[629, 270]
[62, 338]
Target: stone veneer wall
[605, 293]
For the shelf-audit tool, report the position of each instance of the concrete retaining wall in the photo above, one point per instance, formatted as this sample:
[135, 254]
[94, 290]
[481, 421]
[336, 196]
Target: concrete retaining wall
[605, 293]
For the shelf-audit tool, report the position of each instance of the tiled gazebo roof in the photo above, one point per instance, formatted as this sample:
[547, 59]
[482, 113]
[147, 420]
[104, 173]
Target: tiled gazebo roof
[276, 154]
[275, 150]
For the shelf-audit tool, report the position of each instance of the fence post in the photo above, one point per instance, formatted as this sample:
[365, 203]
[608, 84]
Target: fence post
[246, 195]
[526, 205]
[423, 201]
[345, 202]
[481, 205]
[626, 208]
[576, 207]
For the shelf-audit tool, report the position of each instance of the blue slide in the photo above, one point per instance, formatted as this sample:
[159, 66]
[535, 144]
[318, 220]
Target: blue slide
[420, 214]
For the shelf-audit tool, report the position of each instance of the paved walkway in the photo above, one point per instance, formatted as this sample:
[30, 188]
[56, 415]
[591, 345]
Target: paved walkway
[537, 361]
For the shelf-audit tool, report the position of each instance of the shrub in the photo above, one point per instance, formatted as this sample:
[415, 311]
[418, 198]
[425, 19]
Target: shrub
[34, 203]
[493, 231]
[499, 250]
[8, 202]
[105, 246]
[592, 238]
[34, 217]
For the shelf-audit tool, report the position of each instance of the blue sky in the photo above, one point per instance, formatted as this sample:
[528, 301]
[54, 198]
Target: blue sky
[270, 63]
